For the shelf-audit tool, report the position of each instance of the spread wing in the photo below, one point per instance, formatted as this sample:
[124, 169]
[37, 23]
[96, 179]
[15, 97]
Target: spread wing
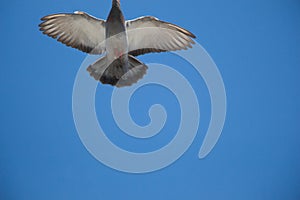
[78, 30]
[149, 34]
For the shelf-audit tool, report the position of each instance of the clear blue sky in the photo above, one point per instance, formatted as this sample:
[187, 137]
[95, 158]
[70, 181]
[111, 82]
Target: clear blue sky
[256, 45]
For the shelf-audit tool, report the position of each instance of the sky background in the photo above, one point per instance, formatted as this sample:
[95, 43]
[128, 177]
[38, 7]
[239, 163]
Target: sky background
[256, 46]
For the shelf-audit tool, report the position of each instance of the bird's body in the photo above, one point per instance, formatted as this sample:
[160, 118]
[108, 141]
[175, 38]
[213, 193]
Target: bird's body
[116, 48]
[121, 40]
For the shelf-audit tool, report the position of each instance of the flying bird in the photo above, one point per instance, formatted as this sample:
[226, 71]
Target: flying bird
[120, 41]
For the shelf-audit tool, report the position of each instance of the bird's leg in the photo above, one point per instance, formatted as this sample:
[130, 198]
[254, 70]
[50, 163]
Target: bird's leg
[117, 53]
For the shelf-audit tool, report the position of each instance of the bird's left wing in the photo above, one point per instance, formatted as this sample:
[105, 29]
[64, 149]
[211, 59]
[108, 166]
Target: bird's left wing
[149, 34]
[78, 30]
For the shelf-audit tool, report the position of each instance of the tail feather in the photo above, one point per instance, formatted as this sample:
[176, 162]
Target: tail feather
[97, 69]
[114, 74]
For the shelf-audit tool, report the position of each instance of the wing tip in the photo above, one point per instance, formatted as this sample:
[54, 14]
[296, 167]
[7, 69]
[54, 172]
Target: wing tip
[192, 36]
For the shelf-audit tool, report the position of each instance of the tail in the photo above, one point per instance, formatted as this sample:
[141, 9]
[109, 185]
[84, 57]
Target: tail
[114, 74]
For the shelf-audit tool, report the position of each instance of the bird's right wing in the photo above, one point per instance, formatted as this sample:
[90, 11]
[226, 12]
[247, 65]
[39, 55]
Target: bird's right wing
[78, 30]
[149, 34]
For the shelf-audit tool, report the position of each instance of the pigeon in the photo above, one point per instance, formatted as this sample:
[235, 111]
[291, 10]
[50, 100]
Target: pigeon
[119, 41]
